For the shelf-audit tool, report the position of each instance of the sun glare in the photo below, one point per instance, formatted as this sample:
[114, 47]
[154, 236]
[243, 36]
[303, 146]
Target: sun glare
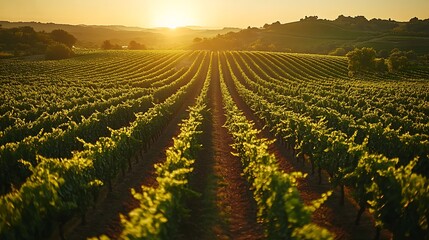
[173, 18]
[171, 23]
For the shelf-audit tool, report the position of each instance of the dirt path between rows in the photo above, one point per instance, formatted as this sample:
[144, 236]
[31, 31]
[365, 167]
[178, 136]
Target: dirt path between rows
[331, 215]
[233, 195]
[226, 199]
[105, 218]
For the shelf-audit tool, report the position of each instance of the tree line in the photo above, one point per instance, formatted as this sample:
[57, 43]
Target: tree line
[24, 41]
[413, 26]
[366, 59]
[133, 45]
[58, 44]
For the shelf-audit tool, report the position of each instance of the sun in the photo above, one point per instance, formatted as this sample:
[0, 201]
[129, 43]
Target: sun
[173, 18]
[171, 24]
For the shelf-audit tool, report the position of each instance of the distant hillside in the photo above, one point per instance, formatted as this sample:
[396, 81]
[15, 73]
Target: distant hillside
[93, 36]
[309, 35]
[313, 35]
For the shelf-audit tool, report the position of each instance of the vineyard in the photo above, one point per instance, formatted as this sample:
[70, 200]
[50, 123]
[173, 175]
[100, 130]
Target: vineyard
[212, 145]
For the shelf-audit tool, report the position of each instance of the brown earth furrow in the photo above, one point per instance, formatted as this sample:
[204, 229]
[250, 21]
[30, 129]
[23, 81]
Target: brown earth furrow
[234, 200]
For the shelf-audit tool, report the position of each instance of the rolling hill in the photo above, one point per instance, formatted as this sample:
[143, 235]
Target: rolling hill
[91, 36]
[312, 35]
[309, 35]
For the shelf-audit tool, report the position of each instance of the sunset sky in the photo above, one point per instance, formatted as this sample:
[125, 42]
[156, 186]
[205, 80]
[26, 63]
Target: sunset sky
[220, 13]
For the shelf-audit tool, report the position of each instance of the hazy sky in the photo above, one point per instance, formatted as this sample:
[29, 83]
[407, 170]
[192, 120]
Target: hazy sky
[207, 13]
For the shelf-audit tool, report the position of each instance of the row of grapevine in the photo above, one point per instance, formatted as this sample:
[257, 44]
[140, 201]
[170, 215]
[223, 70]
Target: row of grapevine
[383, 140]
[396, 195]
[280, 207]
[21, 126]
[61, 188]
[28, 95]
[61, 141]
[21, 129]
[163, 207]
[349, 91]
[345, 103]
[152, 71]
[30, 102]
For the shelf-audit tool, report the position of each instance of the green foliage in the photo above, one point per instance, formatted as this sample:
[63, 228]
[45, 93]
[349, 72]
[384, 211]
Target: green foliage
[56, 135]
[383, 53]
[280, 208]
[311, 231]
[162, 208]
[197, 40]
[346, 158]
[25, 41]
[363, 133]
[63, 37]
[59, 142]
[361, 59]
[397, 60]
[364, 59]
[79, 182]
[397, 197]
[107, 45]
[380, 65]
[54, 192]
[58, 51]
[133, 45]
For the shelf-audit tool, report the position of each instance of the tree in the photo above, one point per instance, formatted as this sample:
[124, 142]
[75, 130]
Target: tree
[64, 37]
[311, 18]
[106, 45]
[414, 20]
[197, 40]
[383, 53]
[274, 24]
[133, 45]
[24, 41]
[397, 60]
[380, 65]
[361, 60]
[58, 51]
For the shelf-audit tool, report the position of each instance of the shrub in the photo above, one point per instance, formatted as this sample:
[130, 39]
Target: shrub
[58, 51]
